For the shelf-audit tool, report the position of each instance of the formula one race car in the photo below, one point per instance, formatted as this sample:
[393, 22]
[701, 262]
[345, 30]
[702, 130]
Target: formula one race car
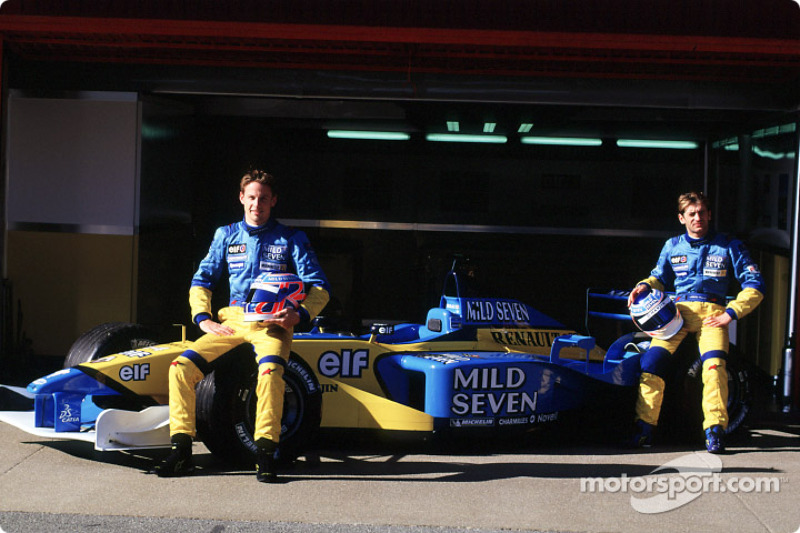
[475, 364]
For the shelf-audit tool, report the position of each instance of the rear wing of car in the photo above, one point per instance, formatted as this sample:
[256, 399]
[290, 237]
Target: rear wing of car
[607, 317]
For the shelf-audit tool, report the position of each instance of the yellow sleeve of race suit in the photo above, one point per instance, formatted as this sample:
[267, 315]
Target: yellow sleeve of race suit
[200, 301]
[316, 299]
[654, 283]
[747, 300]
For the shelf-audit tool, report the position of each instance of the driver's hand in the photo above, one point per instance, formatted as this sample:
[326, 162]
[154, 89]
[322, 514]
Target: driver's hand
[637, 290]
[215, 328]
[718, 321]
[287, 318]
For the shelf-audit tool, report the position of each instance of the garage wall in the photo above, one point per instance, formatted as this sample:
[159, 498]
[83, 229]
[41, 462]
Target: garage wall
[72, 204]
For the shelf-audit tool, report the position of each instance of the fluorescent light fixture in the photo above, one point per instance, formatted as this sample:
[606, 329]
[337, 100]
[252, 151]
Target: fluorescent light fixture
[369, 135]
[772, 155]
[525, 127]
[726, 144]
[452, 125]
[645, 143]
[774, 130]
[562, 141]
[489, 127]
[464, 138]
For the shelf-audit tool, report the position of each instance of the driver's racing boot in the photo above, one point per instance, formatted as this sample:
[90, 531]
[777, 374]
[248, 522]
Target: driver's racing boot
[715, 439]
[265, 461]
[179, 461]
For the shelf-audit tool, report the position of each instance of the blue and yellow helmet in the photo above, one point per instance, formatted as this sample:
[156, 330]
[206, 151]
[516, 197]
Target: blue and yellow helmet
[656, 314]
[271, 292]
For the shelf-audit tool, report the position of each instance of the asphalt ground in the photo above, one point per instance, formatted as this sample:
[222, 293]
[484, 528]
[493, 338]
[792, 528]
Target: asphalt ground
[550, 482]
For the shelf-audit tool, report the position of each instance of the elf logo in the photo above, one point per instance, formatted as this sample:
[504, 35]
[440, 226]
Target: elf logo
[134, 372]
[346, 364]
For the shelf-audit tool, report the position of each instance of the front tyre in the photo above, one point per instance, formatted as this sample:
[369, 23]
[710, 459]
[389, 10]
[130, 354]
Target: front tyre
[106, 339]
[226, 407]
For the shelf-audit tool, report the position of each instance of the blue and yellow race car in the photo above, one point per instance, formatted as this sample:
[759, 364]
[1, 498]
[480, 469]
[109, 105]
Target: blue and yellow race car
[474, 365]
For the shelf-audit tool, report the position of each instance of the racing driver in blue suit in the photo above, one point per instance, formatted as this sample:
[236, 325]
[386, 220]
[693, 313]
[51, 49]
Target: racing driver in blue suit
[700, 266]
[243, 251]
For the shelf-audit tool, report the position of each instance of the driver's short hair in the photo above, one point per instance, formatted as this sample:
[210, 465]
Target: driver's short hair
[258, 176]
[691, 198]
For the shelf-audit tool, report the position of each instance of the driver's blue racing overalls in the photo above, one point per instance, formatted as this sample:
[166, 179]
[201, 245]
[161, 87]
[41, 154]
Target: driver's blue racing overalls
[700, 272]
[244, 252]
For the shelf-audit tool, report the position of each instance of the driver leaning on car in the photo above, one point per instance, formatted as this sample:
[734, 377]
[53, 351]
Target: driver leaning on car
[243, 250]
[699, 265]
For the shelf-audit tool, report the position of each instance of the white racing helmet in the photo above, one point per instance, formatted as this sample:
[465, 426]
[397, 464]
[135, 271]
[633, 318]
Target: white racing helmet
[656, 314]
[271, 292]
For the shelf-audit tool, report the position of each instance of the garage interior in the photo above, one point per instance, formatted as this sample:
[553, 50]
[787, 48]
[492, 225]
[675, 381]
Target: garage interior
[109, 224]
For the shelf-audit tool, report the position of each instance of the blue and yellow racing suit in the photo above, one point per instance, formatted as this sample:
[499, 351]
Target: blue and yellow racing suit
[243, 252]
[700, 271]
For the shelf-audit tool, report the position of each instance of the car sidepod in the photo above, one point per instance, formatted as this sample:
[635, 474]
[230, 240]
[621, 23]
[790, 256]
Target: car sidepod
[492, 389]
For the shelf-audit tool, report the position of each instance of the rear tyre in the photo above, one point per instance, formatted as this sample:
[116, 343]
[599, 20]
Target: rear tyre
[226, 407]
[683, 413]
[106, 339]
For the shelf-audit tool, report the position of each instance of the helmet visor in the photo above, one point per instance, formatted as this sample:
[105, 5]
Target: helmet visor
[658, 317]
[267, 293]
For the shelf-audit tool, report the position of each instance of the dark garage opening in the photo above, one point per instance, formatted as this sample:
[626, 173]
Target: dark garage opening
[541, 222]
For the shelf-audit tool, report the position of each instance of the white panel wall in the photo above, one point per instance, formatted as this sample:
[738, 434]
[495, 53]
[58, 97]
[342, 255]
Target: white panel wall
[73, 161]
[72, 213]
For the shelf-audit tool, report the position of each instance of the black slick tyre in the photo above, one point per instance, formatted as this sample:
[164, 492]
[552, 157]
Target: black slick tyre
[682, 413]
[106, 339]
[226, 406]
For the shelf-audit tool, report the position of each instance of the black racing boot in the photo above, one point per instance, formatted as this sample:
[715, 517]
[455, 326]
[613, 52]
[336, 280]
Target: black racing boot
[179, 461]
[265, 461]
